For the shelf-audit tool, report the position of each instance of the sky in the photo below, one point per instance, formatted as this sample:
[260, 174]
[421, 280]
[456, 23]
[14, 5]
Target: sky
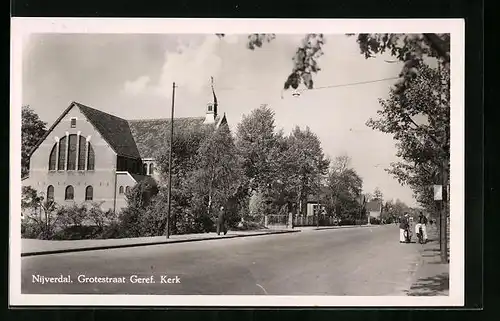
[131, 76]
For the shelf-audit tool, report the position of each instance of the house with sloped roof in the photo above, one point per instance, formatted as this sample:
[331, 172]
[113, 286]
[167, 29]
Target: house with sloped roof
[374, 208]
[88, 155]
[315, 202]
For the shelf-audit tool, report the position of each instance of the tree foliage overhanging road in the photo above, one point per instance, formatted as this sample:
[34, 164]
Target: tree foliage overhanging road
[419, 119]
[412, 49]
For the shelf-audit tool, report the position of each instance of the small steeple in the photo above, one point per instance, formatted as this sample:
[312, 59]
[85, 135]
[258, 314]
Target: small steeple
[211, 114]
[215, 97]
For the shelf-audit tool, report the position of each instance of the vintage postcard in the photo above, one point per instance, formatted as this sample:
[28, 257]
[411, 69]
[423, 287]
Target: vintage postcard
[237, 162]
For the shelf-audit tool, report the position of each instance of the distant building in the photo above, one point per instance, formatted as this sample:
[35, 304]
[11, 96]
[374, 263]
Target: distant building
[312, 205]
[88, 155]
[374, 208]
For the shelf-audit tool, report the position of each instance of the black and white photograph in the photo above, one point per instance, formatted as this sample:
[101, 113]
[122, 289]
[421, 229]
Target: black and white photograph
[237, 162]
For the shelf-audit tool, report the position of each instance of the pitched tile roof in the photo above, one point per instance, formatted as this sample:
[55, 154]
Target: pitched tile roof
[373, 206]
[114, 130]
[150, 134]
[133, 138]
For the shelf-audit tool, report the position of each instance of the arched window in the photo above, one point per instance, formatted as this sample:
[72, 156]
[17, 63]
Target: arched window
[62, 154]
[53, 158]
[127, 189]
[69, 194]
[82, 149]
[151, 169]
[91, 160]
[145, 169]
[89, 193]
[120, 190]
[50, 193]
[72, 152]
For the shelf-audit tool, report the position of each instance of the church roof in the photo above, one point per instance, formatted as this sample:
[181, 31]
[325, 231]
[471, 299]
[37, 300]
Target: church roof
[133, 138]
[114, 130]
[150, 134]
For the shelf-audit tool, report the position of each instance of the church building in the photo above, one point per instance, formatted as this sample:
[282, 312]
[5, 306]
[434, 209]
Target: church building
[88, 155]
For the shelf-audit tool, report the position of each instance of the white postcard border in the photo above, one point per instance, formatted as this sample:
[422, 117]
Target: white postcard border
[22, 27]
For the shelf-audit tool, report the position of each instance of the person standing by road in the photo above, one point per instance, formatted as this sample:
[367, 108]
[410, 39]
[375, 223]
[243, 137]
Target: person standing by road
[422, 222]
[221, 221]
[404, 225]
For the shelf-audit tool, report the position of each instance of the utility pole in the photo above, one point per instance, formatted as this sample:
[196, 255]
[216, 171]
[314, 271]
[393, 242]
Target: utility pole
[444, 214]
[444, 183]
[169, 196]
[319, 191]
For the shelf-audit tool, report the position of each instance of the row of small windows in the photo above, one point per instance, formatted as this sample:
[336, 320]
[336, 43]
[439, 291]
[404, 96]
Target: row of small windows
[145, 169]
[72, 152]
[127, 189]
[69, 193]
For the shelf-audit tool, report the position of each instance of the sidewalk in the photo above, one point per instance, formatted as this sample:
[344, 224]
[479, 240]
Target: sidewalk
[432, 276]
[31, 247]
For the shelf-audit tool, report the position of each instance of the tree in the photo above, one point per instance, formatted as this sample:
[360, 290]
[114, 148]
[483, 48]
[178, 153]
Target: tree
[32, 130]
[344, 188]
[392, 211]
[185, 147]
[307, 164]
[377, 194]
[255, 142]
[218, 173]
[412, 49]
[141, 195]
[41, 216]
[99, 217]
[419, 119]
[134, 219]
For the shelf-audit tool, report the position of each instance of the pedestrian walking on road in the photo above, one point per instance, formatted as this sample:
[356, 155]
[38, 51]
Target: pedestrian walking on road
[221, 221]
[422, 223]
[404, 226]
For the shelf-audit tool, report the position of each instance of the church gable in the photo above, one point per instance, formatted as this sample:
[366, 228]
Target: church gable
[114, 130]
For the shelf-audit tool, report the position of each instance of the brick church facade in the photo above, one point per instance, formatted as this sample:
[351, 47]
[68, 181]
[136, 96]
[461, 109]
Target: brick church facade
[91, 156]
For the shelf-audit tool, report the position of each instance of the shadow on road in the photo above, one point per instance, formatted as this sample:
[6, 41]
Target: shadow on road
[430, 286]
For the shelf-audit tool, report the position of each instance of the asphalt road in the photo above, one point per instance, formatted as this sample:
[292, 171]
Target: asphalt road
[352, 261]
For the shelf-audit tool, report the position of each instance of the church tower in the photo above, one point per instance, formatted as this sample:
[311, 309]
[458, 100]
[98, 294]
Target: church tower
[211, 115]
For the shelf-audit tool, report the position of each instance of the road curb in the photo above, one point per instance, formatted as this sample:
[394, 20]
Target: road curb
[106, 247]
[343, 227]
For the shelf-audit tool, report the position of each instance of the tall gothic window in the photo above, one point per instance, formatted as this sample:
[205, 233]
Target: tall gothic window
[91, 160]
[151, 169]
[81, 150]
[69, 194]
[89, 193]
[62, 153]
[72, 152]
[50, 193]
[145, 169]
[53, 158]
[82, 153]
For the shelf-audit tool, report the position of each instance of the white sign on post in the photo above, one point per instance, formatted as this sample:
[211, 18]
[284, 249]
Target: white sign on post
[438, 192]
